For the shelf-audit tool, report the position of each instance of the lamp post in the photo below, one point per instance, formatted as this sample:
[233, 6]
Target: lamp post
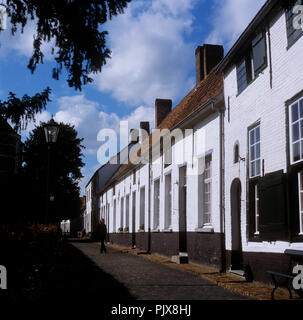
[51, 130]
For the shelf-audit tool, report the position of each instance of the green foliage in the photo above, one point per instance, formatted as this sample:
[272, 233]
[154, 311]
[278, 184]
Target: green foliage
[21, 111]
[65, 172]
[75, 28]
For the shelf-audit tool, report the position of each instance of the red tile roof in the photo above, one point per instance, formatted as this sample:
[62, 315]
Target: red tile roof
[206, 90]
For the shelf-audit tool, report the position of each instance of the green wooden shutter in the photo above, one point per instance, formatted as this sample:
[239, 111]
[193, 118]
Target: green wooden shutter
[273, 225]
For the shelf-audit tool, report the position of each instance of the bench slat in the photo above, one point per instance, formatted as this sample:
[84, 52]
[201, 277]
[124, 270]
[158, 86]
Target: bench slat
[291, 252]
[282, 275]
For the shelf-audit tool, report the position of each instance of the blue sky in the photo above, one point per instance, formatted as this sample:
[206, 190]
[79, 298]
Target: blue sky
[152, 45]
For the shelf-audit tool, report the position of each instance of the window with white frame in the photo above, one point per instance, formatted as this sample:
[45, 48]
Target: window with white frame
[256, 210]
[127, 213]
[156, 204]
[296, 130]
[207, 191]
[114, 216]
[168, 202]
[121, 213]
[300, 189]
[254, 152]
[142, 208]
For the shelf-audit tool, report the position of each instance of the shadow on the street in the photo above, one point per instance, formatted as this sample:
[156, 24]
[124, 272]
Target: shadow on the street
[67, 277]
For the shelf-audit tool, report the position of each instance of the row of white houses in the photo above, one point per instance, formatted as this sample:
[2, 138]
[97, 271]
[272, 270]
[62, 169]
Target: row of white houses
[243, 125]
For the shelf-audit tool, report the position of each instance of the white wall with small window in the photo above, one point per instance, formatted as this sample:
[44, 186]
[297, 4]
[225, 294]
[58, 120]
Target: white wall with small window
[259, 114]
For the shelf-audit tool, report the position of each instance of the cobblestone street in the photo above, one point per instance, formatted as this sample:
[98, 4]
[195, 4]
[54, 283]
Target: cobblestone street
[148, 280]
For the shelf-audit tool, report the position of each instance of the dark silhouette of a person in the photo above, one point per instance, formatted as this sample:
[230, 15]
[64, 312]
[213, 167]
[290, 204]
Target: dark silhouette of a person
[103, 233]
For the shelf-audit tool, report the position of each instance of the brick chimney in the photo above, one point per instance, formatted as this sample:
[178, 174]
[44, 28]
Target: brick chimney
[134, 135]
[162, 108]
[145, 126]
[207, 56]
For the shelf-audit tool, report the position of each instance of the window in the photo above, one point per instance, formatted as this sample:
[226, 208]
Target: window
[121, 213]
[142, 208]
[259, 52]
[254, 152]
[244, 74]
[296, 128]
[156, 204]
[253, 62]
[207, 191]
[127, 213]
[256, 210]
[168, 201]
[114, 217]
[134, 177]
[300, 184]
[293, 34]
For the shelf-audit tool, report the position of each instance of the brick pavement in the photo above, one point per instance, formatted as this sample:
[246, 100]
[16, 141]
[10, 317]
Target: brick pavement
[147, 279]
[254, 290]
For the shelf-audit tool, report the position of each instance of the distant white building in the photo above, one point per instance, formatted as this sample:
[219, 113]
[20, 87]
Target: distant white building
[101, 176]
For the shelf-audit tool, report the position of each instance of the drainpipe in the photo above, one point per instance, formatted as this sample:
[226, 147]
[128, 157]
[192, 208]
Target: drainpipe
[222, 192]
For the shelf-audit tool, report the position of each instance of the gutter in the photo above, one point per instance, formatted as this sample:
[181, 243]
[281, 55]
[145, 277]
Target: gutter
[222, 192]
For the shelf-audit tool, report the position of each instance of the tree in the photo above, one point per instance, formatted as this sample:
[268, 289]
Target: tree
[65, 172]
[75, 26]
[21, 111]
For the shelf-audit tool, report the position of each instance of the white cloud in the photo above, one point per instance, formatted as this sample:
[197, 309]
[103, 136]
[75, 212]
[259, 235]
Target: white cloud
[230, 18]
[22, 43]
[88, 119]
[40, 117]
[149, 52]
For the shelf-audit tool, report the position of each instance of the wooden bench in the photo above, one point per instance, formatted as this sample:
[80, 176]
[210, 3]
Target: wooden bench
[285, 279]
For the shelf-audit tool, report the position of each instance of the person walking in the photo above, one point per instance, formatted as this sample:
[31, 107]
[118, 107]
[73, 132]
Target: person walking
[103, 233]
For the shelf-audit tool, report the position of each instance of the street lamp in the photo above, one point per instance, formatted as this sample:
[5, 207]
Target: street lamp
[51, 130]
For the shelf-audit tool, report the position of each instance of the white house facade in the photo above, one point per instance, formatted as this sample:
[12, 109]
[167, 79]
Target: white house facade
[168, 207]
[263, 92]
[243, 125]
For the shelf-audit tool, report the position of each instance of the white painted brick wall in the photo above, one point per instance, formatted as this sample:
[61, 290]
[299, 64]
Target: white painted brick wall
[259, 102]
[125, 186]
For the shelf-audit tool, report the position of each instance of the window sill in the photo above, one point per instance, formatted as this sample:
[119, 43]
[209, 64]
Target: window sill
[141, 230]
[167, 230]
[205, 229]
[156, 230]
